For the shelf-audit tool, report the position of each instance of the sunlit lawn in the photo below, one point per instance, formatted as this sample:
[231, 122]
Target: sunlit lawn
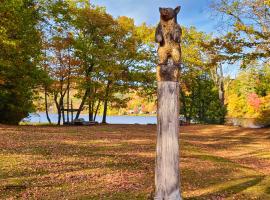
[117, 162]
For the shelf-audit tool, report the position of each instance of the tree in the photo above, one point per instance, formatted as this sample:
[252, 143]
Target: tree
[199, 94]
[93, 28]
[58, 55]
[248, 95]
[113, 57]
[249, 23]
[100, 57]
[200, 99]
[20, 73]
[129, 62]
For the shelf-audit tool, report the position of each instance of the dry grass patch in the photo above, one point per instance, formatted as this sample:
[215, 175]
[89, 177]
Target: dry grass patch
[117, 162]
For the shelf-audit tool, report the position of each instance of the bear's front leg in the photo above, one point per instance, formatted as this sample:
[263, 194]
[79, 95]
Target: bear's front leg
[163, 56]
[176, 56]
[176, 36]
[159, 35]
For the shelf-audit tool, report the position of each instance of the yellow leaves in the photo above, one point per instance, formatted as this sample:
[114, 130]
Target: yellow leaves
[145, 33]
[267, 2]
[239, 26]
[79, 3]
[248, 96]
[188, 93]
[235, 105]
[239, 107]
[5, 40]
[126, 23]
[192, 47]
[264, 114]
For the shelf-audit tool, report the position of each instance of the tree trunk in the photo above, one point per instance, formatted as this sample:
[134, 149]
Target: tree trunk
[58, 109]
[68, 93]
[88, 71]
[45, 88]
[61, 105]
[63, 112]
[104, 117]
[82, 104]
[90, 110]
[105, 108]
[68, 84]
[221, 87]
[46, 106]
[72, 119]
[218, 78]
[167, 161]
[97, 110]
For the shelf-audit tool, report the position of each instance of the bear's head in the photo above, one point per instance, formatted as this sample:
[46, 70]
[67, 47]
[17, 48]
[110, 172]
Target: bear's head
[169, 13]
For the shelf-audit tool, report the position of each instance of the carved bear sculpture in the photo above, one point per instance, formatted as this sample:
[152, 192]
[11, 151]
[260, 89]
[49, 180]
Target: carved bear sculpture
[168, 35]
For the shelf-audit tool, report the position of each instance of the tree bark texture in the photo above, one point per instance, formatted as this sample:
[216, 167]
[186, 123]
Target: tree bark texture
[167, 160]
[58, 109]
[221, 87]
[82, 104]
[97, 108]
[106, 98]
[46, 105]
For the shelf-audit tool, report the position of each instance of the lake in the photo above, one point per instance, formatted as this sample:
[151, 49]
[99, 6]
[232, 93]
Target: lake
[41, 118]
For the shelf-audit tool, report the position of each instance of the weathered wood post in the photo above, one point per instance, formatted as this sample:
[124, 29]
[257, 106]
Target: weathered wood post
[168, 36]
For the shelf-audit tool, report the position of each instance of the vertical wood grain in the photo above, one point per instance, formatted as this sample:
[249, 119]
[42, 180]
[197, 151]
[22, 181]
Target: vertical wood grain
[167, 158]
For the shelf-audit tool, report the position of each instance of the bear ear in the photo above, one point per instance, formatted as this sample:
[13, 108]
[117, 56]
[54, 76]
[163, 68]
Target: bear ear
[160, 9]
[177, 9]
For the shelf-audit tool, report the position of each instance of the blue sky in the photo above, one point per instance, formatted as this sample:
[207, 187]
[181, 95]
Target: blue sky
[193, 13]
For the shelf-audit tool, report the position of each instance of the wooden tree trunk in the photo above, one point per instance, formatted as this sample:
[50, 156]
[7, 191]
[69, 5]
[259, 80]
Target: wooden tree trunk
[97, 108]
[106, 98]
[61, 103]
[82, 104]
[46, 105]
[68, 94]
[167, 158]
[55, 96]
[221, 87]
[90, 110]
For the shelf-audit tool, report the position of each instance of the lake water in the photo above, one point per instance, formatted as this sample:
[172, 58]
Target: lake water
[41, 118]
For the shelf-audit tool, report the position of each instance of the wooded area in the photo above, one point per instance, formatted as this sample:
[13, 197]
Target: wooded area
[55, 51]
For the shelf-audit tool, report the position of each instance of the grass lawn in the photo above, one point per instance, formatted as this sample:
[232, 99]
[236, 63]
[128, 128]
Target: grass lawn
[117, 162]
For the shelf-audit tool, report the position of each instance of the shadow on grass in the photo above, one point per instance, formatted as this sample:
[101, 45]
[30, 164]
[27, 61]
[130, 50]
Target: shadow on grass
[231, 190]
[118, 196]
[226, 140]
[212, 158]
[15, 187]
